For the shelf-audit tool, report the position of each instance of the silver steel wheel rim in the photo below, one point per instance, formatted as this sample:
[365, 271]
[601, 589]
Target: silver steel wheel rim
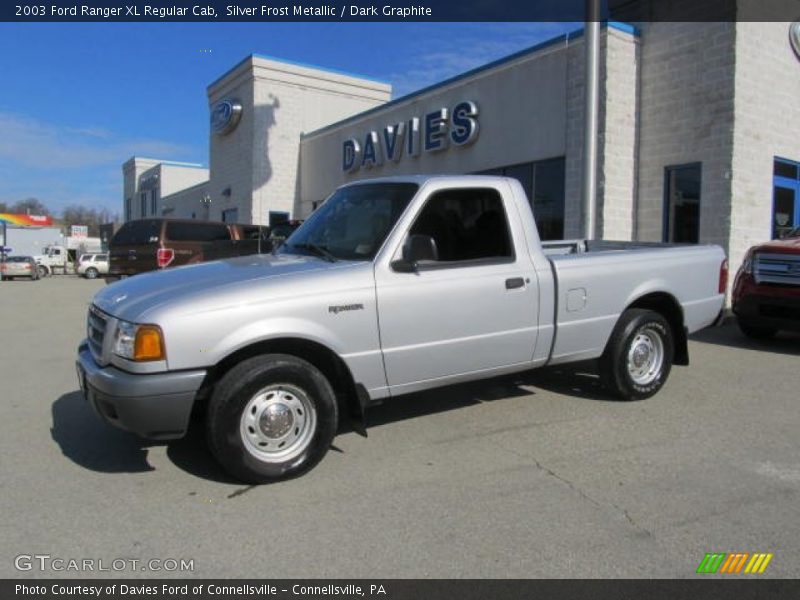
[645, 356]
[278, 423]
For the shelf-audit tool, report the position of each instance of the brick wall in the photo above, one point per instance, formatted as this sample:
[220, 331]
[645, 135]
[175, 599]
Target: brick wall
[617, 136]
[686, 115]
[258, 161]
[767, 125]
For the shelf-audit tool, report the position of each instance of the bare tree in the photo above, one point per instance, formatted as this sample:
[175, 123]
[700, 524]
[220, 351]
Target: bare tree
[30, 206]
[76, 214]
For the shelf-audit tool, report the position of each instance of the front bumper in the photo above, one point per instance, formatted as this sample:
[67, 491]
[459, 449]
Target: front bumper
[769, 311]
[156, 406]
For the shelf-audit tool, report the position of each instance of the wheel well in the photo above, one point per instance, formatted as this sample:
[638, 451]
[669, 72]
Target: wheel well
[322, 357]
[669, 308]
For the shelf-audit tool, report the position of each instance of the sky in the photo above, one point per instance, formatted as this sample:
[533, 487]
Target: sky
[78, 100]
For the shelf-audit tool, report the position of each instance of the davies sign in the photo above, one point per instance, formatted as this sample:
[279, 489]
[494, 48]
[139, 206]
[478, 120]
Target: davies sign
[435, 132]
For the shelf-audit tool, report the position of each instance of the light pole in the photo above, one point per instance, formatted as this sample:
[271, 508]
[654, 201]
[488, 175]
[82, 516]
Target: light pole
[592, 108]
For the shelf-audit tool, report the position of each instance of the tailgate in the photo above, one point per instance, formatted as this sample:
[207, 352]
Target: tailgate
[132, 259]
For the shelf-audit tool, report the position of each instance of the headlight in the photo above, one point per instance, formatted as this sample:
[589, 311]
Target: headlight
[747, 264]
[139, 342]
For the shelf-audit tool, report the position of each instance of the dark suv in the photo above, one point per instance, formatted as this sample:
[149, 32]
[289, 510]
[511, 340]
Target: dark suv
[150, 244]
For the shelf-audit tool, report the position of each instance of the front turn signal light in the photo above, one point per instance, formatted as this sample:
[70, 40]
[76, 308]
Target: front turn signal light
[149, 344]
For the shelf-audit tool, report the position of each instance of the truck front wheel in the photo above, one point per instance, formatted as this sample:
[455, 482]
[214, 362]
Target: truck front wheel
[271, 417]
[638, 357]
[43, 271]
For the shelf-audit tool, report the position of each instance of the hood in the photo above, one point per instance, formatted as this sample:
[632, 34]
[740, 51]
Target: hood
[785, 246]
[132, 297]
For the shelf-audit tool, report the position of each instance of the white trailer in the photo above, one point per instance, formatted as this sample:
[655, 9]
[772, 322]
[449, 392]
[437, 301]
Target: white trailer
[30, 241]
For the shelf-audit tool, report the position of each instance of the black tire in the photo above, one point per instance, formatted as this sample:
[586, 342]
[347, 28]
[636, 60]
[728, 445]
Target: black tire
[620, 371]
[43, 271]
[91, 273]
[756, 332]
[234, 443]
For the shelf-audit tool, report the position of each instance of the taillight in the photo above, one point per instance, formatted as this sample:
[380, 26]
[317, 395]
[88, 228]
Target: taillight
[723, 277]
[164, 256]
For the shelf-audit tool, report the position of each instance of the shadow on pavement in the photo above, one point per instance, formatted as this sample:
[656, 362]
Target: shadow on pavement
[579, 380]
[729, 335]
[92, 444]
[191, 454]
[89, 442]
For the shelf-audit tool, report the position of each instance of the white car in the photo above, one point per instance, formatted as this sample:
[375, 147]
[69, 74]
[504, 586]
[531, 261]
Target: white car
[92, 265]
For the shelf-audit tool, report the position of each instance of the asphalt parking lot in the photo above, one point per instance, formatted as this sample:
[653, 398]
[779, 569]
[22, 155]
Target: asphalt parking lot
[538, 475]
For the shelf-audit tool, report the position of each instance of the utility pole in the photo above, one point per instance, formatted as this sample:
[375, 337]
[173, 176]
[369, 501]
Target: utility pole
[592, 109]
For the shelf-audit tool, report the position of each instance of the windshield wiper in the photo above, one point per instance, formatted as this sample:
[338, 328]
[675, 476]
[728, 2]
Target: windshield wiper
[319, 251]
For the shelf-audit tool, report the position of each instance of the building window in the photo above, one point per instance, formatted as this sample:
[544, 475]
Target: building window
[230, 215]
[277, 217]
[143, 204]
[153, 198]
[544, 183]
[785, 197]
[682, 204]
[128, 215]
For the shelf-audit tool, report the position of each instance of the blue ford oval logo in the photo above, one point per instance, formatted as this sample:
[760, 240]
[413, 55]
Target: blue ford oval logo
[225, 115]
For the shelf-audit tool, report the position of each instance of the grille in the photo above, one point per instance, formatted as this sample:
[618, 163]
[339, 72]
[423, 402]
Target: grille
[777, 268]
[96, 331]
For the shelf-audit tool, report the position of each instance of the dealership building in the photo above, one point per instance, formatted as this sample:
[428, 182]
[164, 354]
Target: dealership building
[699, 135]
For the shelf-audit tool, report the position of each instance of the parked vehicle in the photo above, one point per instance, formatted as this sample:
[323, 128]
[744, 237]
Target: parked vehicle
[766, 291]
[151, 244]
[19, 266]
[392, 286]
[52, 260]
[281, 231]
[92, 265]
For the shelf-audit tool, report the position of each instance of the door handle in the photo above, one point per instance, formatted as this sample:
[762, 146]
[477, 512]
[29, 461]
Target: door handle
[514, 283]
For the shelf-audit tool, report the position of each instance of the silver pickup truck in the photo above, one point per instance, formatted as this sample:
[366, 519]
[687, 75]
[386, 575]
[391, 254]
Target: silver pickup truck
[392, 286]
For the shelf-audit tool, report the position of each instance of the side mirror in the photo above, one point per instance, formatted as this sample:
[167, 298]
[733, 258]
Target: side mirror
[415, 249]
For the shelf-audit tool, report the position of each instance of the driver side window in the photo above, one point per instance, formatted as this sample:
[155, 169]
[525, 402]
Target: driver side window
[466, 225]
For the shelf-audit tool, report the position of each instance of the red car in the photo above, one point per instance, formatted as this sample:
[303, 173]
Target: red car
[766, 292]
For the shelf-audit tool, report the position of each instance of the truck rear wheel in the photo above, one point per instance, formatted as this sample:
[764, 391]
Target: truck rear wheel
[638, 357]
[271, 417]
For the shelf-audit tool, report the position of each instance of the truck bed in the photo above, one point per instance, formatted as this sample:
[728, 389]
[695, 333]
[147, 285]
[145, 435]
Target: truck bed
[595, 279]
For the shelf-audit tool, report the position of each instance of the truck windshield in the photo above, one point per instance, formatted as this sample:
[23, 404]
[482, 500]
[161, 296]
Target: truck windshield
[353, 223]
